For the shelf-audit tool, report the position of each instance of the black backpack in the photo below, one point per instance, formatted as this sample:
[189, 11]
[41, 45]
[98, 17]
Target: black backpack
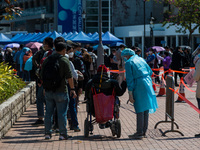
[51, 73]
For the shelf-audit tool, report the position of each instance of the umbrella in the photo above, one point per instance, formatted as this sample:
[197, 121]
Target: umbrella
[12, 45]
[185, 47]
[34, 46]
[158, 48]
[117, 44]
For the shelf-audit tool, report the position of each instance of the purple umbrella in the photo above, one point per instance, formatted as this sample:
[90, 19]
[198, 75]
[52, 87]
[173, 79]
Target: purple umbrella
[11, 45]
[158, 48]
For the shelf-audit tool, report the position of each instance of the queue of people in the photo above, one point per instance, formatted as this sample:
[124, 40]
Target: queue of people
[60, 84]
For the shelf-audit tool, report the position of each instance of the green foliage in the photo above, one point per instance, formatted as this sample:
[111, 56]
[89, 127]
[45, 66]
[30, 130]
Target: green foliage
[9, 9]
[184, 13]
[9, 82]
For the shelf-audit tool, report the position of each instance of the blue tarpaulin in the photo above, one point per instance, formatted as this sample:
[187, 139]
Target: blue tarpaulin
[82, 38]
[4, 39]
[109, 38]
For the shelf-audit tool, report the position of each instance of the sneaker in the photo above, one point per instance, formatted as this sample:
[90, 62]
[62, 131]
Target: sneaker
[57, 132]
[64, 137]
[144, 135]
[136, 136]
[47, 136]
[77, 129]
[38, 123]
[197, 135]
[176, 85]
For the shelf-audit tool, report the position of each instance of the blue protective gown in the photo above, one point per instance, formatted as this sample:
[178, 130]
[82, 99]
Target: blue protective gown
[138, 77]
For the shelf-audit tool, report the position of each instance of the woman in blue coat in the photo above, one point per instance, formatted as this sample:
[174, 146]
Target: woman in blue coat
[141, 93]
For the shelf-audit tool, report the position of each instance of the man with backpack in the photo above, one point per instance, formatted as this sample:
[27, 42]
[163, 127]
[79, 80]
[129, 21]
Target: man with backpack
[38, 59]
[55, 75]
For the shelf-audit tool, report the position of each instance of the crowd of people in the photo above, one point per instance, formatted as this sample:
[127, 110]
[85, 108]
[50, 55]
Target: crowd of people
[64, 69]
[177, 59]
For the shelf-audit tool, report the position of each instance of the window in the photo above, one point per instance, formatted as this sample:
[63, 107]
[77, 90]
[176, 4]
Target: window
[104, 11]
[92, 18]
[26, 5]
[32, 4]
[92, 11]
[92, 4]
[92, 24]
[105, 24]
[105, 4]
[37, 3]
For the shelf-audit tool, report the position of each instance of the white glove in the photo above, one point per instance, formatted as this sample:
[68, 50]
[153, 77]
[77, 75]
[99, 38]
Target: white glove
[131, 97]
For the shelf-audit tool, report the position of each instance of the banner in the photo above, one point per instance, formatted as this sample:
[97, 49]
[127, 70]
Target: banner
[69, 15]
[189, 78]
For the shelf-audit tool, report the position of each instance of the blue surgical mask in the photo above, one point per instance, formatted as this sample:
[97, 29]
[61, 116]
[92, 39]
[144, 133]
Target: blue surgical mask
[77, 53]
[125, 59]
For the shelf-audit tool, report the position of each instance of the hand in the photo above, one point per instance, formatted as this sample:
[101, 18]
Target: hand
[131, 97]
[73, 93]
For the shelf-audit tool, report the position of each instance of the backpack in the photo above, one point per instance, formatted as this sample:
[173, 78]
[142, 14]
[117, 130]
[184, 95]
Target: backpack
[51, 74]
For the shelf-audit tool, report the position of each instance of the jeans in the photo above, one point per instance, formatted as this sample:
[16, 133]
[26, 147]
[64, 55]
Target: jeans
[26, 76]
[73, 112]
[61, 102]
[142, 122]
[40, 102]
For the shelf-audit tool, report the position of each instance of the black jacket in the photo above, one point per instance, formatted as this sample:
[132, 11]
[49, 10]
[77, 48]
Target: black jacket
[178, 59]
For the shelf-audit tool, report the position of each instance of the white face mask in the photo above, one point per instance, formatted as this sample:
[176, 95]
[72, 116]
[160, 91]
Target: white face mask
[71, 54]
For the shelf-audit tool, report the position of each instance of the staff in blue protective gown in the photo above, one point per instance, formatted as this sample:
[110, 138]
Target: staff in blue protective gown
[141, 93]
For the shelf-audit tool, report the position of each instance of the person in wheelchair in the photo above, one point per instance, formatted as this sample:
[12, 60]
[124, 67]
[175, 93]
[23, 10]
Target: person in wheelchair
[102, 83]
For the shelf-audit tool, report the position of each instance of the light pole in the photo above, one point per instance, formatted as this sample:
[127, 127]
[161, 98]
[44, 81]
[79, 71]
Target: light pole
[84, 17]
[100, 50]
[151, 31]
[42, 22]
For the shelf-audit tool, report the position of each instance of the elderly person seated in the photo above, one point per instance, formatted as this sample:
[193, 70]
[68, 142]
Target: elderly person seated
[103, 84]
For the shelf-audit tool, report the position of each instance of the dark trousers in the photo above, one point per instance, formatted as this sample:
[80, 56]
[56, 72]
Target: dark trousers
[142, 122]
[175, 77]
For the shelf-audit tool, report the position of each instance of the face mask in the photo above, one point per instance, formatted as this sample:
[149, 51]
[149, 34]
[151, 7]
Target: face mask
[77, 53]
[71, 54]
[125, 59]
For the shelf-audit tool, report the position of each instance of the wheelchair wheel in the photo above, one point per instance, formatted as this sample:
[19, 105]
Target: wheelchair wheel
[112, 128]
[86, 128]
[118, 128]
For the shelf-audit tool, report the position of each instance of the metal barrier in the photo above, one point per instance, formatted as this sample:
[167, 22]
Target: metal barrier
[169, 112]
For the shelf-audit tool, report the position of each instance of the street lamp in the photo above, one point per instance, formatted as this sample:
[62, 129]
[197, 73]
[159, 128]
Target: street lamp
[84, 17]
[151, 31]
[42, 22]
[100, 50]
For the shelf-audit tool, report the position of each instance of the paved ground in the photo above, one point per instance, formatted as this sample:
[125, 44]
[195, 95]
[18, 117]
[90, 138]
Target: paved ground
[23, 136]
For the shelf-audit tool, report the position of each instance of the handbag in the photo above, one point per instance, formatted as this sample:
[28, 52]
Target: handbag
[103, 105]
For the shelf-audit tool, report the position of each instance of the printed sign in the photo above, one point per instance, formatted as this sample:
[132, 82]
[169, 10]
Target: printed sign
[70, 15]
[189, 78]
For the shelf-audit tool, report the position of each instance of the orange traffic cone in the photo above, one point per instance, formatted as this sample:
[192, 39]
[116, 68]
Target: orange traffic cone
[181, 91]
[153, 82]
[162, 87]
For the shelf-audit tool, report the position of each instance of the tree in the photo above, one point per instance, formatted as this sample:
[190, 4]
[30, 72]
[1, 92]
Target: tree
[184, 14]
[8, 9]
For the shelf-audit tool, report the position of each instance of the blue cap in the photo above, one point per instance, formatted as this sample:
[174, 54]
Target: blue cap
[127, 52]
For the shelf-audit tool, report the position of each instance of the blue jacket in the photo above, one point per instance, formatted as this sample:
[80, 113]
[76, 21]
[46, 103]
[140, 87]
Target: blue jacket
[138, 77]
